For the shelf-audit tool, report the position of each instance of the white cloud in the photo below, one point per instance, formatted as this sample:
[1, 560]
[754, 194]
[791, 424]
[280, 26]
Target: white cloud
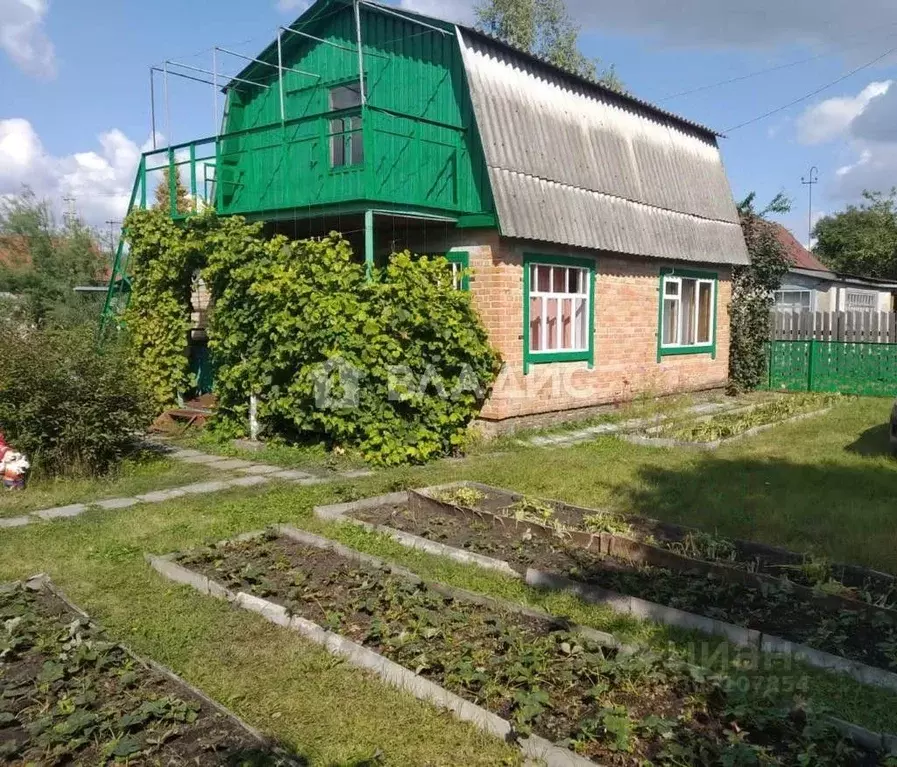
[865, 127]
[293, 6]
[100, 180]
[761, 24]
[832, 118]
[459, 11]
[23, 38]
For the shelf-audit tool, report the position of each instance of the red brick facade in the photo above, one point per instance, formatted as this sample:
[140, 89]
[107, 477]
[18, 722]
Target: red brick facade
[627, 294]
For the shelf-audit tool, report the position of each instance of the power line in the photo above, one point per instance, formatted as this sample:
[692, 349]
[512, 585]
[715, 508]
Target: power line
[816, 92]
[767, 70]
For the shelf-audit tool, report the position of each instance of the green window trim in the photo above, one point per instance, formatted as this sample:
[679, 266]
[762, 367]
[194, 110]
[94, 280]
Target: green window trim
[461, 258]
[538, 358]
[675, 351]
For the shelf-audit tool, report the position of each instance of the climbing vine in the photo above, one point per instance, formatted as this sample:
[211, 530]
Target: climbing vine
[752, 295]
[163, 256]
[396, 366]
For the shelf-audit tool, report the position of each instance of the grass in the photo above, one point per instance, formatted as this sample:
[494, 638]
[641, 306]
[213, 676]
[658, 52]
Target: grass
[314, 458]
[133, 478]
[825, 485]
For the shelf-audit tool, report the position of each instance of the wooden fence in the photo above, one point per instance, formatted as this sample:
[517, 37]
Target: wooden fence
[846, 352]
[851, 327]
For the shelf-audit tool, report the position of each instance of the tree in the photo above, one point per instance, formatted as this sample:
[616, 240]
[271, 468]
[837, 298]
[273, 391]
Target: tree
[861, 240]
[752, 293]
[163, 193]
[543, 28]
[53, 260]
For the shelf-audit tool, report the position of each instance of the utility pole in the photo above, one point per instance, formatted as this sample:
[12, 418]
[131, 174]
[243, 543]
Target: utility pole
[69, 215]
[112, 225]
[809, 182]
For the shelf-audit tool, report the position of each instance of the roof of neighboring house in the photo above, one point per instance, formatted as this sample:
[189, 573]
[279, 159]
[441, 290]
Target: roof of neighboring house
[804, 261]
[797, 253]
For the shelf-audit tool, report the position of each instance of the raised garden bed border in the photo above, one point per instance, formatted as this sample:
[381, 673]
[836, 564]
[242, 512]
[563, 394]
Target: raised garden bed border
[395, 675]
[621, 603]
[621, 547]
[642, 439]
[43, 583]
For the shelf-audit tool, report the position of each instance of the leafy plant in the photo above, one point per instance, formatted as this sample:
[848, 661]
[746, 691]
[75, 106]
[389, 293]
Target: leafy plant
[71, 409]
[607, 523]
[532, 510]
[752, 294]
[705, 546]
[164, 255]
[728, 425]
[396, 366]
[467, 497]
[546, 679]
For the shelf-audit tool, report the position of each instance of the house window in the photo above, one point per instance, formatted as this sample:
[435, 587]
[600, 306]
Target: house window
[346, 136]
[559, 297]
[460, 263]
[793, 300]
[860, 302]
[687, 313]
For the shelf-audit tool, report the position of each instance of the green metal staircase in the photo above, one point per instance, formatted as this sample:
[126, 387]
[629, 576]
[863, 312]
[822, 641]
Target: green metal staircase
[204, 189]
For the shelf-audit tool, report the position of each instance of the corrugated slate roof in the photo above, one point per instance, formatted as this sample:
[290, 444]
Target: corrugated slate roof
[797, 253]
[581, 165]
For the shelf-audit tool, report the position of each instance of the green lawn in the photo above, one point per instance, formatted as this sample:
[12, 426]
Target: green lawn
[133, 478]
[826, 484]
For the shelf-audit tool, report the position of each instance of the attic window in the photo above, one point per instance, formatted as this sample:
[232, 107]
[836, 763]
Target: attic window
[345, 97]
[346, 136]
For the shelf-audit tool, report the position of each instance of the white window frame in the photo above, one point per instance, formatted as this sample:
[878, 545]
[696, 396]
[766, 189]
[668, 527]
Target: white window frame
[580, 345]
[864, 294]
[790, 305]
[671, 279]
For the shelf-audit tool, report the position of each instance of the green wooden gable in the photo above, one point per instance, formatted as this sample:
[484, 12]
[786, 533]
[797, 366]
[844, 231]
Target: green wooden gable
[412, 146]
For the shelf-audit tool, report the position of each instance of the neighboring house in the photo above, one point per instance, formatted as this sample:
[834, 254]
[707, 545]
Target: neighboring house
[600, 230]
[812, 286]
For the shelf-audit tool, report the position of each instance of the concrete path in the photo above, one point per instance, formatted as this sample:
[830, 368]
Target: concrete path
[253, 475]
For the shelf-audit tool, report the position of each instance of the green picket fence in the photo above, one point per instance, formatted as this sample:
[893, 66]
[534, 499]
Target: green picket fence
[867, 369]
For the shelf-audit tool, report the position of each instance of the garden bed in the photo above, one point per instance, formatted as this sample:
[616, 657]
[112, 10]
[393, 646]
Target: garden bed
[69, 696]
[713, 431]
[542, 675]
[771, 607]
[649, 541]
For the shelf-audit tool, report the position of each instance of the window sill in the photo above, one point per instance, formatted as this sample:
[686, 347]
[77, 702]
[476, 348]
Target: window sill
[675, 351]
[535, 358]
[346, 168]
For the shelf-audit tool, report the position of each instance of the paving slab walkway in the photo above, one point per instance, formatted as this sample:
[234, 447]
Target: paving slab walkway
[252, 475]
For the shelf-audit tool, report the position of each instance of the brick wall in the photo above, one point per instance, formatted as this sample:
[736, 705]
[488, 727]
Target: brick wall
[626, 327]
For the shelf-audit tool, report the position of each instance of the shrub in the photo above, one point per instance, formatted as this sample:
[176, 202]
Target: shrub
[752, 295]
[163, 257]
[396, 366]
[72, 409]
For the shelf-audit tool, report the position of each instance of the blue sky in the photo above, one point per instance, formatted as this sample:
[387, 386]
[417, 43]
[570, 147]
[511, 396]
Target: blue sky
[74, 85]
